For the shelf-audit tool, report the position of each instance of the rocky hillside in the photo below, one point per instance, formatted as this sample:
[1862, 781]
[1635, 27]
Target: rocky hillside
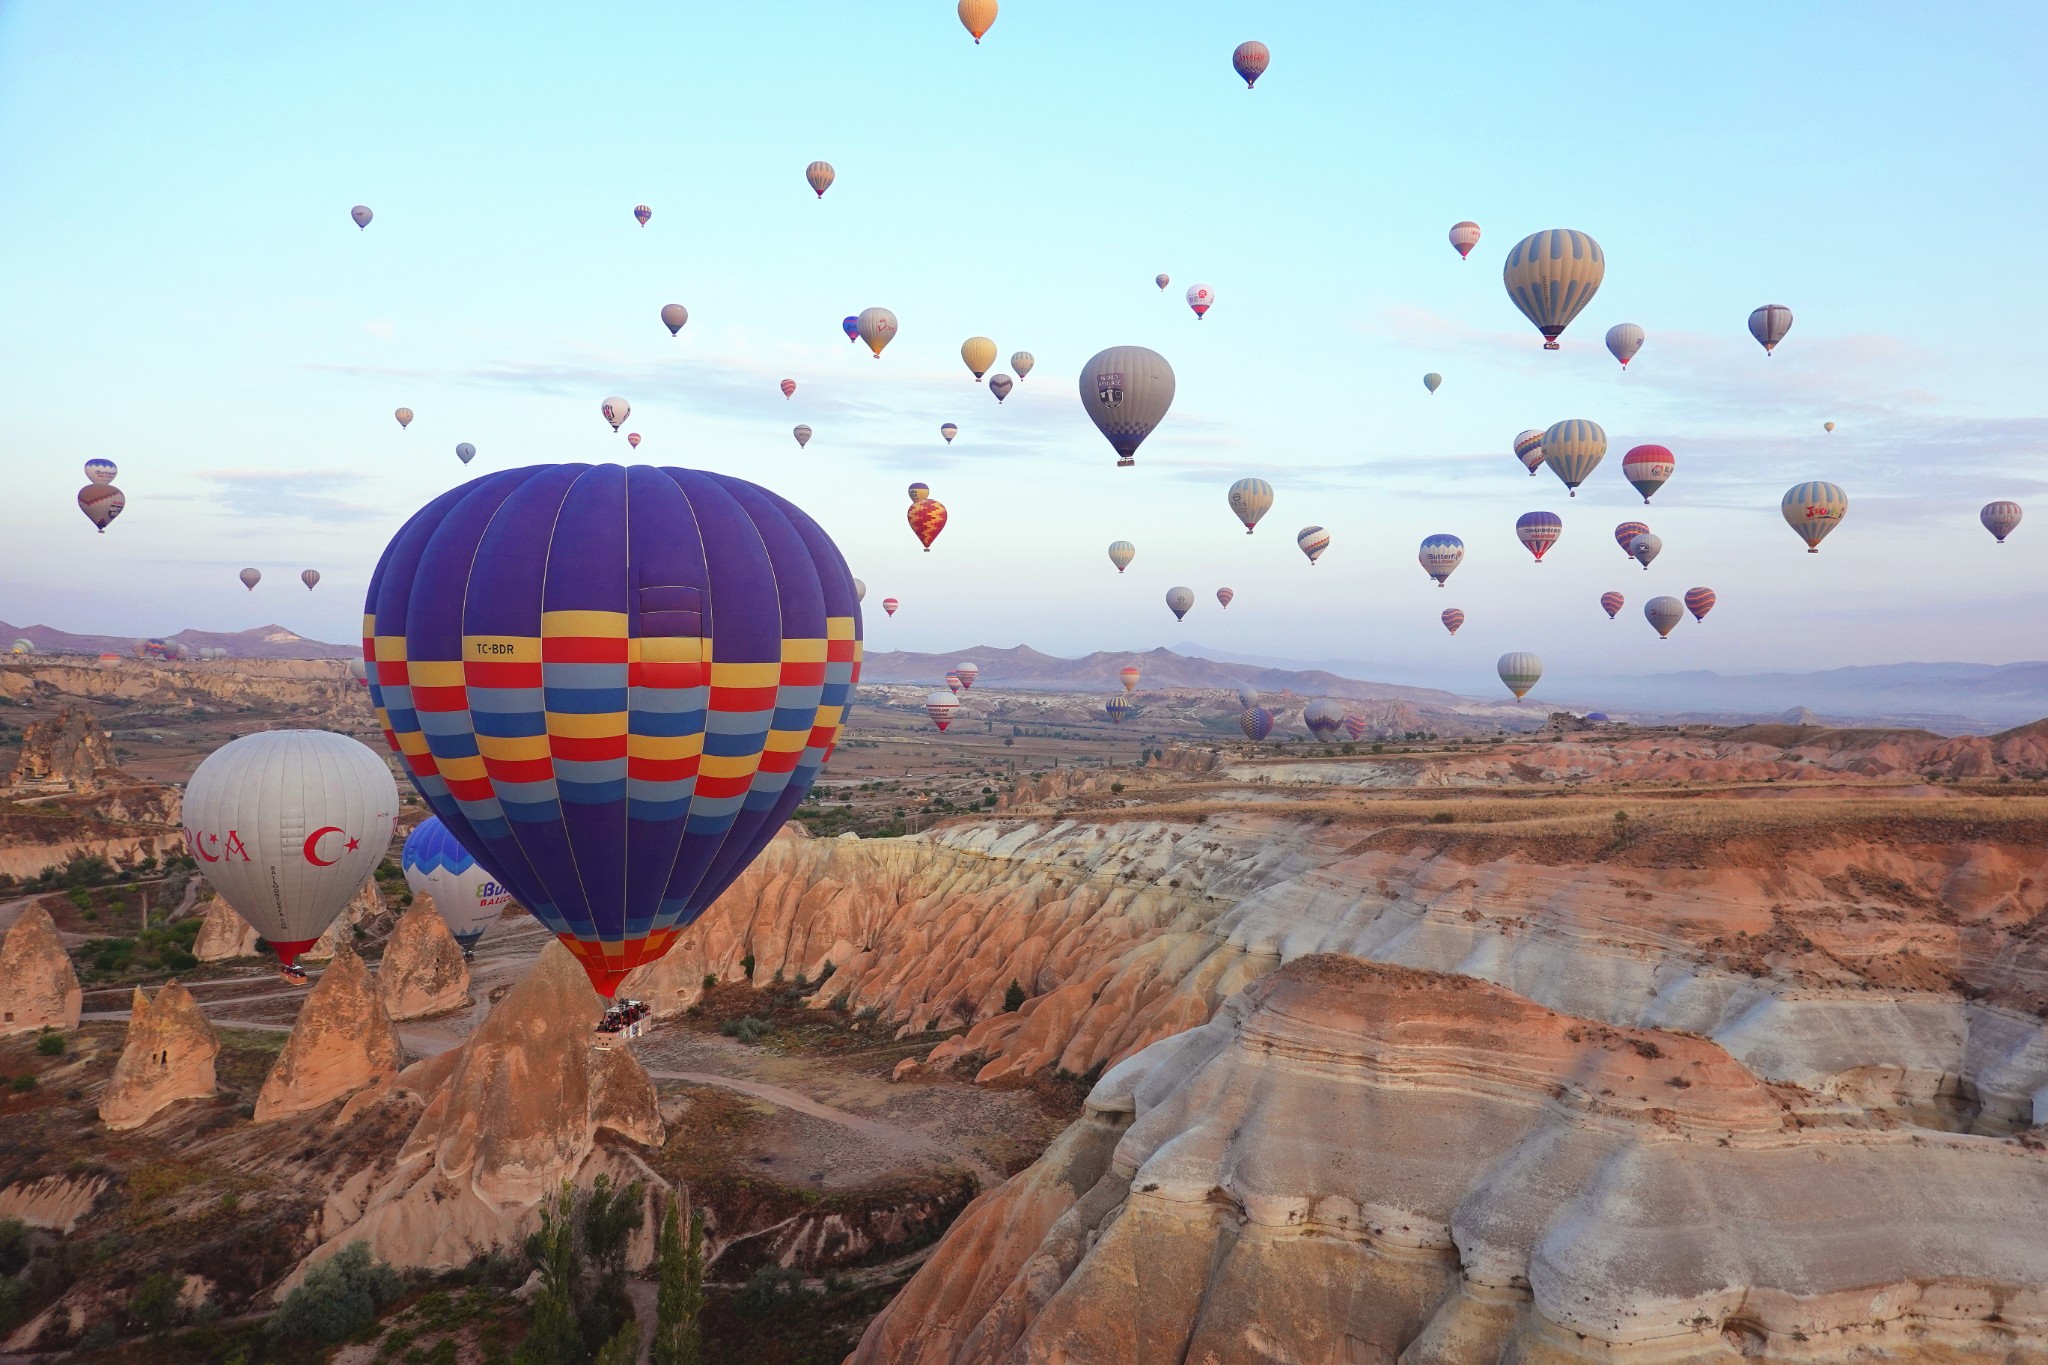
[258, 642]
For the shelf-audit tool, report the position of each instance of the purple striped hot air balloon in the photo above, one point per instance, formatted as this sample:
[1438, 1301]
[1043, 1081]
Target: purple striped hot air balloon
[1256, 722]
[613, 685]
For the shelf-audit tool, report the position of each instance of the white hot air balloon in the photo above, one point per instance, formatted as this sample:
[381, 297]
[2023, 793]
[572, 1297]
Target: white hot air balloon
[1250, 499]
[466, 897]
[1663, 613]
[616, 410]
[1201, 298]
[1178, 601]
[286, 825]
[1313, 540]
[1624, 339]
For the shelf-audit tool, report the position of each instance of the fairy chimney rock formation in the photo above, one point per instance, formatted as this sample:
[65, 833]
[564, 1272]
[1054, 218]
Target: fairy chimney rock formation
[422, 971]
[69, 749]
[224, 933]
[364, 909]
[168, 1057]
[343, 1042]
[38, 988]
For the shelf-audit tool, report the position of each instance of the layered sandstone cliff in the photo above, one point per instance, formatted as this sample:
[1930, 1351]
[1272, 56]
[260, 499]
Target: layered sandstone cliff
[69, 750]
[342, 1042]
[38, 987]
[167, 1057]
[1360, 1163]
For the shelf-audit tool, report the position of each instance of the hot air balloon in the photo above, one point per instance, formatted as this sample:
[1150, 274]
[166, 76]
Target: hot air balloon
[1529, 450]
[1769, 324]
[1201, 298]
[1256, 722]
[1323, 717]
[1247, 697]
[1699, 601]
[860, 591]
[616, 411]
[1440, 554]
[877, 328]
[467, 898]
[1000, 385]
[643, 213]
[1121, 553]
[1551, 276]
[466, 452]
[1663, 613]
[1225, 596]
[1521, 671]
[614, 736]
[1624, 339]
[968, 671]
[949, 431]
[1645, 548]
[802, 434]
[1178, 600]
[101, 503]
[953, 683]
[1355, 727]
[359, 671]
[1117, 707]
[977, 15]
[1452, 619]
[1538, 531]
[1628, 531]
[1648, 467]
[1162, 280]
[1126, 390]
[1250, 61]
[850, 326]
[310, 577]
[1573, 450]
[1250, 499]
[1313, 540]
[633, 439]
[362, 215]
[159, 650]
[1464, 236]
[1022, 362]
[1612, 603]
[2000, 518]
[1827, 426]
[979, 354]
[941, 707]
[927, 519]
[404, 416]
[1813, 510]
[1128, 676]
[889, 605]
[101, 471]
[1432, 381]
[920, 491]
[673, 316]
[819, 173]
[250, 578]
[288, 824]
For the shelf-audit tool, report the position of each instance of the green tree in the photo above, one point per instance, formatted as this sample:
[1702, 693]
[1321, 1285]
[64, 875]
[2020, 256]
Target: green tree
[1013, 998]
[552, 1334]
[677, 1339]
[622, 1349]
[338, 1298]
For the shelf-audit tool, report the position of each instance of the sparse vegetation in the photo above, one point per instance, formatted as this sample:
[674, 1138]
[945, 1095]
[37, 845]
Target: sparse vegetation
[338, 1298]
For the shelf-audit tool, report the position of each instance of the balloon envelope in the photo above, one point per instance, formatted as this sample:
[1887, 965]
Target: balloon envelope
[1612, 603]
[1452, 619]
[860, 591]
[1645, 548]
[1250, 61]
[1573, 450]
[1162, 280]
[310, 577]
[1225, 596]
[1663, 613]
[1000, 385]
[1624, 339]
[2000, 518]
[1529, 450]
[1256, 722]
[1313, 540]
[1648, 467]
[1769, 324]
[1521, 671]
[949, 431]
[977, 16]
[466, 452]
[404, 416]
[1814, 509]
[1201, 298]
[1464, 236]
[632, 439]
[1538, 531]
[1323, 717]
[920, 491]
[1626, 532]
[614, 736]
[642, 213]
[1699, 601]
[802, 434]
[927, 519]
[101, 503]
[889, 605]
[978, 354]
[1022, 362]
[361, 215]
[1439, 555]
[1127, 391]
[101, 471]
[250, 578]
[616, 411]
[1551, 276]
[820, 176]
[466, 896]
[1128, 676]
[788, 388]
[286, 825]
[877, 328]
[673, 316]
[1118, 706]
[1121, 553]
[1250, 499]
[850, 326]
[1432, 381]
[968, 671]
[1178, 600]
[941, 707]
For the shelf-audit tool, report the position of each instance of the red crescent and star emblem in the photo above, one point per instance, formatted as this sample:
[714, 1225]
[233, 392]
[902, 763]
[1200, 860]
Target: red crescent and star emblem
[312, 849]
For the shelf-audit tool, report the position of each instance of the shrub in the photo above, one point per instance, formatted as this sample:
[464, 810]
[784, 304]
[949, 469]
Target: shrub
[24, 1082]
[770, 1290]
[50, 1043]
[710, 980]
[747, 1030]
[155, 1300]
[338, 1298]
[747, 966]
[1013, 998]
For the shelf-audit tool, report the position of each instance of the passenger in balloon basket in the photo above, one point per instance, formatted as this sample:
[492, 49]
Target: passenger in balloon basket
[292, 973]
[622, 1019]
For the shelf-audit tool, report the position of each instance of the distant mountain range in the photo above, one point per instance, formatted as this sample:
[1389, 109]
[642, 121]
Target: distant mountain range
[1942, 696]
[263, 642]
[1025, 667]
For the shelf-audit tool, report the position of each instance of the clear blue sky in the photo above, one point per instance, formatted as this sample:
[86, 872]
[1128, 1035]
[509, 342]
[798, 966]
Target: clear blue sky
[181, 290]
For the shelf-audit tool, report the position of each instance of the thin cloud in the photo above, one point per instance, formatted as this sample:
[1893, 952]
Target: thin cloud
[323, 495]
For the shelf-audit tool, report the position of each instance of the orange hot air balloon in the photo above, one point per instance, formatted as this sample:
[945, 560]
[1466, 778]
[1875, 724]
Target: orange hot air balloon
[977, 15]
[1128, 676]
[927, 519]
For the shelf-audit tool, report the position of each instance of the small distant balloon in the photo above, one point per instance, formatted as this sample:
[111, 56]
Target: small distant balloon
[2000, 518]
[1612, 603]
[1440, 555]
[860, 590]
[310, 577]
[1452, 619]
[1162, 280]
[362, 215]
[1225, 596]
[820, 175]
[1628, 531]
[1256, 722]
[404, 416]
[889, 605]
[616, 411]
[877, 328]
[250, 578]
[673, 316]
[850, 326]
[101, 503]
[1814, 509]
[949, 431]
[1313, 540]
[1127, 391]
[1121, 553]
[1827, 426]
[101, 471]
[1624, 339]
[1432, 381]
[1117, 707]
[1529, 450]
[941, 707]
[1521, 671]
[953, 683]
[788, 388]
[1645, 548]
[466, 452]
[1201, 298]
[977, 16]
[1663, 613]
[1250, 499]
[920, 491]
[1551, 276]
[1178, 600]
[1464, 236]
[1769, 324]
[979, 355]
[802, 434]
[1000, 385]
[1128, 675]
[1699, 601]
[1538, 531]
[633, 439]
[967, 671]
[1247, 697]
[643, 213]
[1573, 450]
[1022, 362]
[927, 518]
[1648, 467]
[1250, 61]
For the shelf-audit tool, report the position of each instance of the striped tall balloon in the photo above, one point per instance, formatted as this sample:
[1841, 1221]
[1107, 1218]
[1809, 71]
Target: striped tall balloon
[1521, 671]
[1814, 509]
[1452, 619]
[613, 685]
[1313, 540]
[1769, 324]
[1355, 727]
[1573, 450]
[1538, 531]
[1552, 276]
[1250, 499]
[1628, 531]
[1118, 707]
[1699, 601]
[1529, 450]
[1323, 717]
[1612, 603]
